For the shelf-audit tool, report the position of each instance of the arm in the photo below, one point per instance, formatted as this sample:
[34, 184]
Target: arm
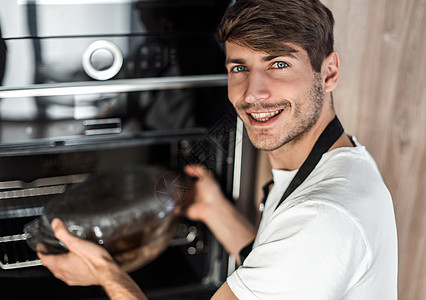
[224, 293]
[210, 206]
[89, 264]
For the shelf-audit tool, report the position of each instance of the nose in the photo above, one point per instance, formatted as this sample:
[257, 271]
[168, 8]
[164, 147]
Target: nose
[256, 87]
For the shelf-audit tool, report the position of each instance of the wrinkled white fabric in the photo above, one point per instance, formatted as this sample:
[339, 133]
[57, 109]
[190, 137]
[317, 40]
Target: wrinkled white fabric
[334, 237]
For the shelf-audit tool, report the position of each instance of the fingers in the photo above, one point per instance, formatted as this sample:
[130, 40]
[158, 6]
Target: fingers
[69, 268]
[55, 263]
[197, 171]
[82, 264]
[192, 170]
[84, 248]
[73, 243]
[61, 232]
[48, 260]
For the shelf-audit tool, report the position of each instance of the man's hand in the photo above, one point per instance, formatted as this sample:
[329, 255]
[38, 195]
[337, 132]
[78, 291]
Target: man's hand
[82, 265]
[206, 193]
[89, 264]
[210, 206]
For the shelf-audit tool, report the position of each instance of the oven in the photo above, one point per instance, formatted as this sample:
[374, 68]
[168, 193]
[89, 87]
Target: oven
[96, 85]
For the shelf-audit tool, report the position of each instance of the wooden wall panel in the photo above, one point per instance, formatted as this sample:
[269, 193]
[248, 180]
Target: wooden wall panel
[381, 99]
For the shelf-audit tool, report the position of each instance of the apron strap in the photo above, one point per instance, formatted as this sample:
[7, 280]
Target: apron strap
[327, 138]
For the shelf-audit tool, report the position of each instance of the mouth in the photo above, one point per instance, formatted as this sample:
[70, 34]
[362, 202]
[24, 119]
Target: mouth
[264, 116]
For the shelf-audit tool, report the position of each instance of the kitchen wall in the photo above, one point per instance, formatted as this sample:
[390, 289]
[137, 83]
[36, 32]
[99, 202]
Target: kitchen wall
[381, 99]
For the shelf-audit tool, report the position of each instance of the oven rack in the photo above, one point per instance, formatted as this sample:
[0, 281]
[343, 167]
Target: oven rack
[21, 202]
[16, 254]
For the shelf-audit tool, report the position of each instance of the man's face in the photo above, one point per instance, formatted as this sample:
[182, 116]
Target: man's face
[279, 97]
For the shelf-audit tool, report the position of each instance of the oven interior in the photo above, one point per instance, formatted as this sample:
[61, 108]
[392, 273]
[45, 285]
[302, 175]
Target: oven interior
[193, 265]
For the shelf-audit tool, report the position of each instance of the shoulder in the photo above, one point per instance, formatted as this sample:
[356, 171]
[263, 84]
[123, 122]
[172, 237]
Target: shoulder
[313, 221]
[347, 178]
[314, 247]
[345, 188]
[354, 163]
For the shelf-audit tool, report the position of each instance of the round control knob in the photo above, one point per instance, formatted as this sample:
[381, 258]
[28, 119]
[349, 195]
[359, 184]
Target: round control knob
[102, 60]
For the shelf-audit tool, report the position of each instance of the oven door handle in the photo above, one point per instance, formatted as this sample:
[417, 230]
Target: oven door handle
[115, 86]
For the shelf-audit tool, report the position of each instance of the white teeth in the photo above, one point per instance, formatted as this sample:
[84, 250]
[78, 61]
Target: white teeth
[264, 116]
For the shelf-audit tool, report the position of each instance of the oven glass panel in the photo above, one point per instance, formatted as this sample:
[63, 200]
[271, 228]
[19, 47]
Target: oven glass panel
[109, 67]
[71, 117]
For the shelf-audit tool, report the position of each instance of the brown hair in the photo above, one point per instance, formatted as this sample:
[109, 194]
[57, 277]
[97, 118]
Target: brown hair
[269, 25]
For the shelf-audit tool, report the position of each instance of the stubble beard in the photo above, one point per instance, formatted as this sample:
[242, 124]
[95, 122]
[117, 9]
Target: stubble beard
[304, 118]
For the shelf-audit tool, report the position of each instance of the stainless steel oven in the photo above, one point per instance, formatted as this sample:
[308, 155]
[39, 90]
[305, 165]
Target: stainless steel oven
[96, 85]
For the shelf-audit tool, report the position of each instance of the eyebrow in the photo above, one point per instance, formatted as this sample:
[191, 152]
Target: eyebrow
[284, 54]
[234, 61]
[265, 59]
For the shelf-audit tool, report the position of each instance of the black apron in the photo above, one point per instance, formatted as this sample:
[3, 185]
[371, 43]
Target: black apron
[327, 138]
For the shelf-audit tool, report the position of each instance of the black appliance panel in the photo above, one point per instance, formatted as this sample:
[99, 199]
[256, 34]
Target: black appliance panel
[95, 85]
[95, 67]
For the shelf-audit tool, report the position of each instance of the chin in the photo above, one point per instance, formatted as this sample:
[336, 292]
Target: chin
[265, 143]
[267, 146]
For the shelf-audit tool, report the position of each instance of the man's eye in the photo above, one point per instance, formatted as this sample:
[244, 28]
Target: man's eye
[280, 65]
[238, 68]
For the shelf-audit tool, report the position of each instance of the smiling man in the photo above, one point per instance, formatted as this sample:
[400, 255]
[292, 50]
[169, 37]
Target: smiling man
[328, 227]
[281, 100]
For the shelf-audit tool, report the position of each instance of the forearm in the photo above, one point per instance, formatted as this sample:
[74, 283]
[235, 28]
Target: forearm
[210, 206]
[118, 285]
[89, 264]
[231, 228]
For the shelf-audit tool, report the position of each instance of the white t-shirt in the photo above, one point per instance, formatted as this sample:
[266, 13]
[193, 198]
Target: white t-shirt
[334, 237]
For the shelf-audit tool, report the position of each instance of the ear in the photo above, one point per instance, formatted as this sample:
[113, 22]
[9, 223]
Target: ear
[330, 71]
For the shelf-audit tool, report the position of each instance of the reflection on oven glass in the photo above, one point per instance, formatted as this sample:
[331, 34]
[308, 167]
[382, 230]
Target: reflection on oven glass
[58, 108]
[44, 117]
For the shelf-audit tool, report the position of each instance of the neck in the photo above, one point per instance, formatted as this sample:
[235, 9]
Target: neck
[292, 155]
